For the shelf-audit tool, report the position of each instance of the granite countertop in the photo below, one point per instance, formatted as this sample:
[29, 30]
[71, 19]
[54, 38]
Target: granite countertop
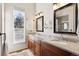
[72, 47]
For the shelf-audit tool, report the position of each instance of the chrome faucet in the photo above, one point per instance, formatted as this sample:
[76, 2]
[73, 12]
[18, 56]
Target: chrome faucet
[61, 37]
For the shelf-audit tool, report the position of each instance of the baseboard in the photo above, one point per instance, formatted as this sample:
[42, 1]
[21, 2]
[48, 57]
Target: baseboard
[17, 50]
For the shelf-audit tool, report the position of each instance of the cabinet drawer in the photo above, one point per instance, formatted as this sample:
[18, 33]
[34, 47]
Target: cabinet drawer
[46, 52]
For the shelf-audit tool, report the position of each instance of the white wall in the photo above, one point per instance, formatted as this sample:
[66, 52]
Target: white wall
[29, 9]
[47, 10]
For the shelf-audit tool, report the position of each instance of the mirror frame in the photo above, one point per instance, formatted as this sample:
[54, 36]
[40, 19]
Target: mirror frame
[37, 19]
[76, 18]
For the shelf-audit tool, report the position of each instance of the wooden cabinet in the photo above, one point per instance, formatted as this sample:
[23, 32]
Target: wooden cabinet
[40, 48]
[37, 47]
[31, 44]
[34, 45]
[50, 50]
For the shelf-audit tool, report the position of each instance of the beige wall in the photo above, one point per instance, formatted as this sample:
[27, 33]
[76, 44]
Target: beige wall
[29, 9]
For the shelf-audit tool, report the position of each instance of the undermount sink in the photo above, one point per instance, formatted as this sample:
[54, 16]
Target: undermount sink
[60, 41]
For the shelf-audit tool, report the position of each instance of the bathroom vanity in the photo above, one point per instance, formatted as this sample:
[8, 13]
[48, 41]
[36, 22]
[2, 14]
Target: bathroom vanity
[49, 48]
[34, 45]
[65, 22]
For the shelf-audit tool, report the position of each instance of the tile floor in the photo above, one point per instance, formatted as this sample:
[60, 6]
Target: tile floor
[26, 52]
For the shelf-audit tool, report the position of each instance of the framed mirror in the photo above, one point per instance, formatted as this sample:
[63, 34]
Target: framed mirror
[65, 19]
[40, 24]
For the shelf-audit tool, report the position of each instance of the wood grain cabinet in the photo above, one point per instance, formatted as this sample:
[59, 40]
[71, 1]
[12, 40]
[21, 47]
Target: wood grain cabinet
[37, 47]
[34, 45]
[50, 50]
[40, 48]
[31, 44]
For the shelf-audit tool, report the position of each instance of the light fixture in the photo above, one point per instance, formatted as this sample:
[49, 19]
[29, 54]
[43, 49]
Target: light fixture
[38, 14]
[55, 5]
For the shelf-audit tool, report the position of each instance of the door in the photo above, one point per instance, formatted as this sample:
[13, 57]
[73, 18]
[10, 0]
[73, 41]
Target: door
[2, 30]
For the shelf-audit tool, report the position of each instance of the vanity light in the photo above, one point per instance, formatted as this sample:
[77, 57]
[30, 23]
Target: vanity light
[38, 14]
[55, 5]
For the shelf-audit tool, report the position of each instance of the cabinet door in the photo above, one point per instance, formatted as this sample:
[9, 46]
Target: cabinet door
[46, 52]
[31, 45]
[37, 48]
[50, 50]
